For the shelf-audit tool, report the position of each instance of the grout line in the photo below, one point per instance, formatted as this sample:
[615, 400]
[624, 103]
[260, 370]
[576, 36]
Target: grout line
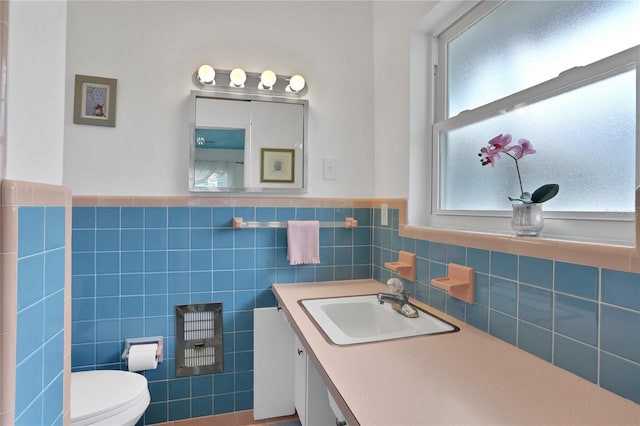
[517, 302]
[599, 325]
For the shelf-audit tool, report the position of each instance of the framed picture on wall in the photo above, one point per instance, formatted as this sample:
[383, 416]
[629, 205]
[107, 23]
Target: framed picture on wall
[277, 165]
[94, 101]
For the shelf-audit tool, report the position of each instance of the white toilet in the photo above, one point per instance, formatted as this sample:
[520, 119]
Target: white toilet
[108, 397]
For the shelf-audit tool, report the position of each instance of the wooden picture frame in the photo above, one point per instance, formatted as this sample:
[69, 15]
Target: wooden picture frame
[277, 165]
[94, 101]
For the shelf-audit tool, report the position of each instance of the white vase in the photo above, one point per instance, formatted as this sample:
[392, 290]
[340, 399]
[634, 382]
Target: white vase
[527, 219]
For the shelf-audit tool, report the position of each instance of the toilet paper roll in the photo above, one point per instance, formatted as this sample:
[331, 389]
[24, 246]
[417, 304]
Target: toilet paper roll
[143, 357]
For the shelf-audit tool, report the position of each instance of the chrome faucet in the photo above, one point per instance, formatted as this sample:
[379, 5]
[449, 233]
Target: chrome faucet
[399, 300]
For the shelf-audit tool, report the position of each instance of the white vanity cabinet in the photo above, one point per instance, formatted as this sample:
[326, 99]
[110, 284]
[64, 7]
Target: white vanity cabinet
[300, 380]
[311, 397]
[341, 419]
[272, 365]
[285, 377]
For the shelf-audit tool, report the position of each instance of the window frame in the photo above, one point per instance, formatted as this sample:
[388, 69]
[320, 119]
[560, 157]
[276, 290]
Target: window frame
[615, 228]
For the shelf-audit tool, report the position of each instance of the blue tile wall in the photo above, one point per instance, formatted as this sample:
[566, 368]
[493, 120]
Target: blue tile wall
[581, 318]
[131, 265]
[40, 289]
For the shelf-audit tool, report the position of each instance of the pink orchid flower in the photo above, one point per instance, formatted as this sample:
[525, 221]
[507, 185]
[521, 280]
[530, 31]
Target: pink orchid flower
[492, 151]
[501, 141]
[489, 155]
[501, 145]
[524, 147]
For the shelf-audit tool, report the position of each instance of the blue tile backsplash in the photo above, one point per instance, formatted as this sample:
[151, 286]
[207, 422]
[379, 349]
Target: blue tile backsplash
[131, 265]
[576, 318]
[40, 320]
[536, 306]
[576, 279]
[581, 318]
[621, 288]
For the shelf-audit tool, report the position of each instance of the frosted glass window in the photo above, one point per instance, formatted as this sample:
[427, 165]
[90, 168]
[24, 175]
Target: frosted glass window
[523, 43]
[585, 142]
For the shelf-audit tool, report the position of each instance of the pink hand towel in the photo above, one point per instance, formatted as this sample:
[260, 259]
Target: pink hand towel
[303, 240]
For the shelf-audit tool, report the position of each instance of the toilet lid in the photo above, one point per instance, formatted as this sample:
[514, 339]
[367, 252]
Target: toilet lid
[97, 392]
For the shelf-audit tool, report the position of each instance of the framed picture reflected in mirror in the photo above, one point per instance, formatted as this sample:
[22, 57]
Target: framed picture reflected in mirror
[277, 165]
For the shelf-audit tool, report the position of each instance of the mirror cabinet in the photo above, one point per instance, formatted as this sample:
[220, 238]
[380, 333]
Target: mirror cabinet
[247, 143]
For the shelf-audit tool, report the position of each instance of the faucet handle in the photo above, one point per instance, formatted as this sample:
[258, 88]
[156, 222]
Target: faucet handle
[409, 311]
[395, 286]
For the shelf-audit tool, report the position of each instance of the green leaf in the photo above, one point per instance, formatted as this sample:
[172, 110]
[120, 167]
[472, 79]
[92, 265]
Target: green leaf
[545, 193]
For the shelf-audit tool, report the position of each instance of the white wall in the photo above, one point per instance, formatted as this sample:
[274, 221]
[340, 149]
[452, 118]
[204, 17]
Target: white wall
[35, 91]
[393, 23]
[153, 47]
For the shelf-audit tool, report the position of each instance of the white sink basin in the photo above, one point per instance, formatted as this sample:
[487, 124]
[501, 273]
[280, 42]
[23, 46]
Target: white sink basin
[361, 319]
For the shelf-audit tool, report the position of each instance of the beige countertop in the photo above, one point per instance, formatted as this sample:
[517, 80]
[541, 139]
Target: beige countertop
[468, 377]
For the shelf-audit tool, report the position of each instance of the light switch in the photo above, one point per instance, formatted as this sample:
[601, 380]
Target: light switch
[384, 215]
[329, 169]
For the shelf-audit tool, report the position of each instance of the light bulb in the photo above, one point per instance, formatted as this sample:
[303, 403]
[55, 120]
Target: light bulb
[207, 75]
[267, 79]
[296, 83]
[238, 77]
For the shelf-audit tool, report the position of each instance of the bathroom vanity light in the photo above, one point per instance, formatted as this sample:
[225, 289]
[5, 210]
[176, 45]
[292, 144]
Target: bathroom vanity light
[296, 83]
[267, 83]
[267, 80]
[237, 77]
[207, 75]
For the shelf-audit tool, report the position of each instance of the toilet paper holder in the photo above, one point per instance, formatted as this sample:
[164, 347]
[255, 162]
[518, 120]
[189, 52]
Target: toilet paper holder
[128, 343]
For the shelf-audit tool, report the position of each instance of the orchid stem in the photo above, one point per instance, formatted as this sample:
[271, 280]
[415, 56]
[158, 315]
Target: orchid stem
[518, 170]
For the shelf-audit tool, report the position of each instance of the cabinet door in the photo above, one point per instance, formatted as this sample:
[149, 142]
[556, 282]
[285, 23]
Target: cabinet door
[272, 365]
[311, 397]
[280, 126]
[319, 412]
[341, 420]
[300, 380]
